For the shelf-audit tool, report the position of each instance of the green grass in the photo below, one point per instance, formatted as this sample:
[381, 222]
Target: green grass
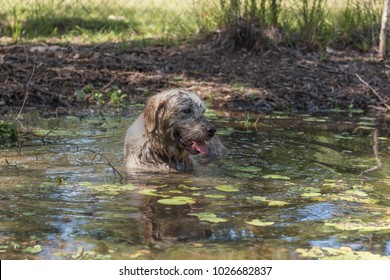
[94, 21]
[310, 24]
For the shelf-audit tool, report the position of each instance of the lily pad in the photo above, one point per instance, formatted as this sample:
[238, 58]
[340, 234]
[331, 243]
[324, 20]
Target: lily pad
[32, 250]
[150, 192]
[182, 186]
[175, 191]
[176, 200]
[276, 177]
[277, 203]
[259, 198]
[218, 196]
[108, 189]
[310, 194]
[208, 216]
[258, 223]
[227, 188]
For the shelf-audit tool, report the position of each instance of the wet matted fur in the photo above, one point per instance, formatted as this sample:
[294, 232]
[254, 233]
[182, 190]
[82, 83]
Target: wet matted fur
[170, 130]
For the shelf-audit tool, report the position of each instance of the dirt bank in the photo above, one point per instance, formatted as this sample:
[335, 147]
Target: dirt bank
[69, 78]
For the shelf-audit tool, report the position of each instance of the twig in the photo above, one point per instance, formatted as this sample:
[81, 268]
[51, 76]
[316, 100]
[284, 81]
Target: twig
[374, 91]
[27, 88]
[106, 87]
[375, 151]
[108, 163]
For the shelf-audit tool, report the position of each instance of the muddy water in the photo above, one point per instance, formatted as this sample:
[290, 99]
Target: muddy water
[290, 187]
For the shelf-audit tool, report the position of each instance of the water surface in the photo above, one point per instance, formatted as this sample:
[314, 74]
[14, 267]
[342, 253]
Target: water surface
[290, 187]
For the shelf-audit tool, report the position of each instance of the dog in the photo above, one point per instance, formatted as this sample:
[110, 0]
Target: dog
[169, 132]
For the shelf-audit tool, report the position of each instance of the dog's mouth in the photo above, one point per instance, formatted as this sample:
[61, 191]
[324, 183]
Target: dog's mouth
[192, 146]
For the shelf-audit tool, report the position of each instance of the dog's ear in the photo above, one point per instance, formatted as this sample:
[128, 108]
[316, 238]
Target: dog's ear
[151, 112]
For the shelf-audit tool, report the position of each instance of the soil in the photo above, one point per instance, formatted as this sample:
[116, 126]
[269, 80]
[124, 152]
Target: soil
[280, 79]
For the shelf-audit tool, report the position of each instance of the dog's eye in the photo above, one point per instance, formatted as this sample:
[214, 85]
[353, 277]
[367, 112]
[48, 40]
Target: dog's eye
[187, 110]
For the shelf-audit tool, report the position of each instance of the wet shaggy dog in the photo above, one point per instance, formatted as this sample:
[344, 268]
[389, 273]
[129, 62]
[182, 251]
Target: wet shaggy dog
[171, 129]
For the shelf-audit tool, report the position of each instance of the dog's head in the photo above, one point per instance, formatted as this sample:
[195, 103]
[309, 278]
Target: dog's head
[175, 122]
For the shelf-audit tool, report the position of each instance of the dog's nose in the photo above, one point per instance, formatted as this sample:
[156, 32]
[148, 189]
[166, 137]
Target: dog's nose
[211, 130]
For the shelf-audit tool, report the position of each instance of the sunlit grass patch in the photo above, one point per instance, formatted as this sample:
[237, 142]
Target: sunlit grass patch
[98, 21]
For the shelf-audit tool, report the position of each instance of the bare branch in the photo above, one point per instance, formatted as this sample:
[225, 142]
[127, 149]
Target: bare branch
[374, 92]
[107, 162]
[27, 89]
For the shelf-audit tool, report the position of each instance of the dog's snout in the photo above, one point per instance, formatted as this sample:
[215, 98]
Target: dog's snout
[211, 130]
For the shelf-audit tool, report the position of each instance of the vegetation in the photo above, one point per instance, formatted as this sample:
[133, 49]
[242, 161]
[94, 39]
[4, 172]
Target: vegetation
[8, 130]
[250, 24]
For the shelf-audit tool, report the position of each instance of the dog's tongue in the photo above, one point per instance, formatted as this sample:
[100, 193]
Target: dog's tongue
[201, 147]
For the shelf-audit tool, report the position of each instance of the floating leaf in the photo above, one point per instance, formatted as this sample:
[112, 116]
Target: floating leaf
[208, 216]
[32, 250]
[215, 196]
[150, 192]
[276, 176]
[140, 253]
[338, 136]
[28, 213]
[175, 191]
[312, 119]
[259, 198]
[227, 188]
[108, 189]
[214, 220]
[310, 194]
[176, 200]
[182, 186]
[60, 181]
[258, 223]
[277, 203]
[357, 193]
[249, 168]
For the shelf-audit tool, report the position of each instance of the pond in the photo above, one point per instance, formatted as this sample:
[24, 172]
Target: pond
[290, 187]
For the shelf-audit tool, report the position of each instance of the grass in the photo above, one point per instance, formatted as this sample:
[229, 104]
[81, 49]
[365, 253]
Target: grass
[309, 24]
[95, 21]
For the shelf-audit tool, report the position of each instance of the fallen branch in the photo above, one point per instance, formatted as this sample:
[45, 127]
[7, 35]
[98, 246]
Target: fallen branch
[108, 163]
[375, 92]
